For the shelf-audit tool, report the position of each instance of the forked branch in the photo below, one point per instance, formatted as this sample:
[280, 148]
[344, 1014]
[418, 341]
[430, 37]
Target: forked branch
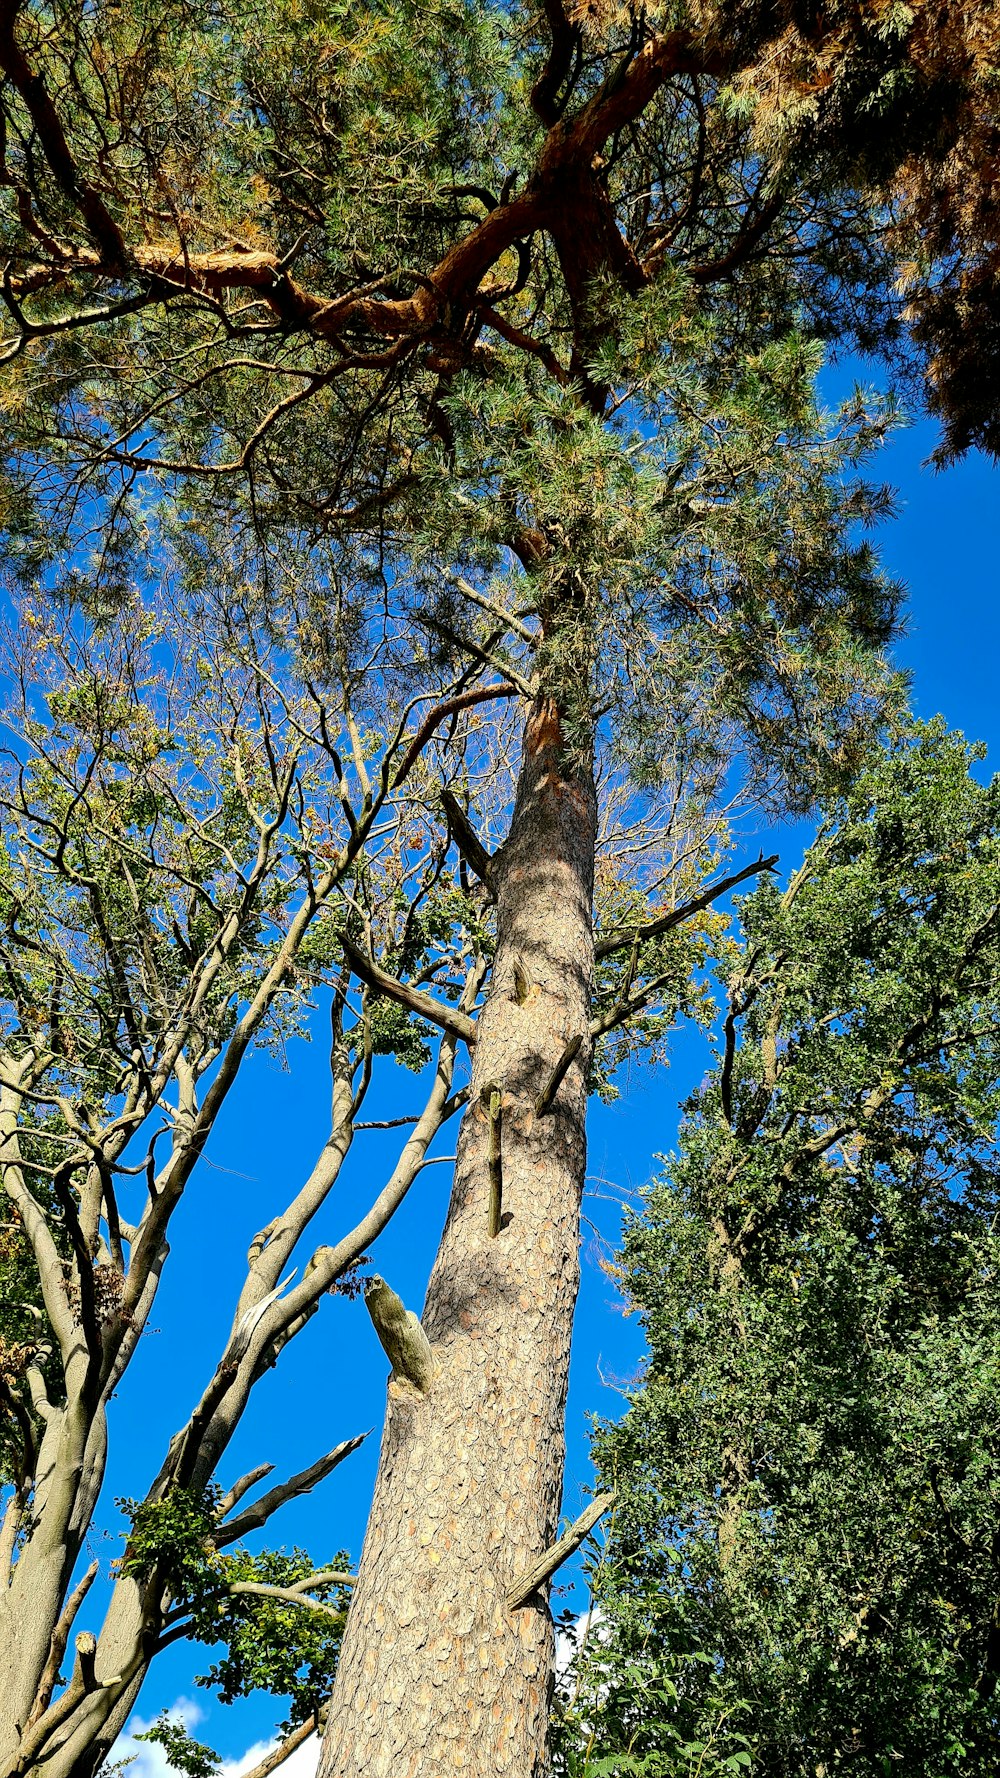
[258, 1514]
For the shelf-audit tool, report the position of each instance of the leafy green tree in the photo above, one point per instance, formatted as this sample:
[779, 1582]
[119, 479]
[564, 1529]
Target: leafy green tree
[805, 1535]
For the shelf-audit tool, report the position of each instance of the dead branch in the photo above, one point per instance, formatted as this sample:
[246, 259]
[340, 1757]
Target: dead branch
[258, 1514]
[546, 1564]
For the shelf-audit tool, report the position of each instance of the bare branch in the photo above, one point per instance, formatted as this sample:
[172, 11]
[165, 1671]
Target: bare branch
[439, 714]
[437, 1012]
[285, 1749]
[258, 1514]
[546, 1097]
[619, 941]
[546, 1564]
[60, 1637]
[243, 1486]
[255, 1589]
[467, 839]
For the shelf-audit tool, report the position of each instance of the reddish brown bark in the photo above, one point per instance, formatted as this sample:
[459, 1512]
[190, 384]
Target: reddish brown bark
[564, 192]
[437, 1674]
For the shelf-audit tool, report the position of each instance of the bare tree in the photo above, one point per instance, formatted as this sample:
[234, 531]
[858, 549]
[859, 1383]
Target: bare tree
[186, 850]
[201, 838]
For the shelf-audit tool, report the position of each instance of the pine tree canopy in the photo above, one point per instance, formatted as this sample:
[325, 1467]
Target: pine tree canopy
[274, 244]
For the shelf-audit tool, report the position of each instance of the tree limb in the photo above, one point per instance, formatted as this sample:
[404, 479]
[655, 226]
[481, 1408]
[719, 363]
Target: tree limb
[543, 1104]
[618, 941]
[401, 1335]
[438, 1012]
[57, 1648]
[258, 1514]
[243, 1486]
[258, 1589]
[467, 840]
[285, 1748]
[546, 1564]
[439, 714]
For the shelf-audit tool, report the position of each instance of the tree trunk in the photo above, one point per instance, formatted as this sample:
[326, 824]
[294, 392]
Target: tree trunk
[437, 1674]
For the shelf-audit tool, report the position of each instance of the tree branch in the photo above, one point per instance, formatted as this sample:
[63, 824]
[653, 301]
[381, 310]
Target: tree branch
[57, 1647]
[543, 1104]
[401, 1335]
[284, 1749]
[619, 941]
[450, 707]
[546, 1564]
[448, 1018]
[467, 840]
[258, 1589]
[258, 1514]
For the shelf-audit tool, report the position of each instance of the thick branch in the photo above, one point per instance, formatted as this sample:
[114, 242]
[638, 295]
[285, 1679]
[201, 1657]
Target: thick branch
[60, 1637]
[563, 39]
[448, 1018]
[440, 713]
[467, 840]
[565, 163]
[544, 1102]
[401, 1336]
[103, 229]
[284, 1749]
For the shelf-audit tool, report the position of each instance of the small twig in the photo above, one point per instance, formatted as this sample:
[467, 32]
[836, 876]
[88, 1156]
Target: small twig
[546, 1564]
[386, 1123]
[543, 1103]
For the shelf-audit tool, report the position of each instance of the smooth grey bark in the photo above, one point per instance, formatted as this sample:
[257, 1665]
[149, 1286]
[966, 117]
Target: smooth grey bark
[437, 1673]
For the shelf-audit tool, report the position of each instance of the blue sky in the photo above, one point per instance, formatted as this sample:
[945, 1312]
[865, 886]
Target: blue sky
[331, 1384]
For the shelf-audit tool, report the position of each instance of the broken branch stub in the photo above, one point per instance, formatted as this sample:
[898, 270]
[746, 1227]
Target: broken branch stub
[545, 1565]
[546, 1097]
[401, 1335]
[494, 1102]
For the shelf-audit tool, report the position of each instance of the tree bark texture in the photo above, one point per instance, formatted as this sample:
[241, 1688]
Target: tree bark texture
[438, 1675]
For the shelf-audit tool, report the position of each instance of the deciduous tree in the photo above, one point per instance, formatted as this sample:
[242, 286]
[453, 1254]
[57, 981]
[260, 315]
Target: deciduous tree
[804, 1547]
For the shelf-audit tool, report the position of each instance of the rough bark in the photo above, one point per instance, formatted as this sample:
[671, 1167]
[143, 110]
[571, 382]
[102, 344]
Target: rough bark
[437, 1673]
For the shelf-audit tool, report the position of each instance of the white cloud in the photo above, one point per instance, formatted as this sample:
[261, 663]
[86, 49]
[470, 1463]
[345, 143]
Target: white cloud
[148, 1760]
